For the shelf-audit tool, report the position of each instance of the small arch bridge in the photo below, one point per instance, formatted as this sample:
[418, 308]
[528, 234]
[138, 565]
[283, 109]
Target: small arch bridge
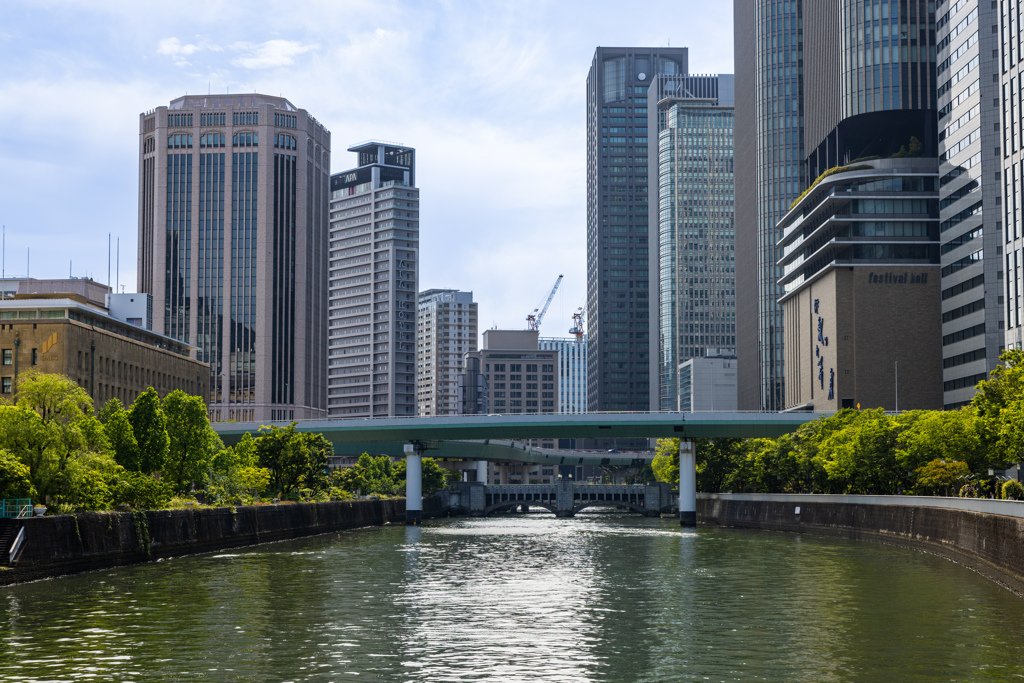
[564, 499]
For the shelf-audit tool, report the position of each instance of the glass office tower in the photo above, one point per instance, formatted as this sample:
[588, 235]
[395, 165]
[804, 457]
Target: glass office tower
[618, 294]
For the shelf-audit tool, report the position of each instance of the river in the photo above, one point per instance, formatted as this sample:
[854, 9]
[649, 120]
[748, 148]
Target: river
[601, 597]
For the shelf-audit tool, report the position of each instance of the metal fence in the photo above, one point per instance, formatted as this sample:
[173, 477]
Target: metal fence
[16, 508]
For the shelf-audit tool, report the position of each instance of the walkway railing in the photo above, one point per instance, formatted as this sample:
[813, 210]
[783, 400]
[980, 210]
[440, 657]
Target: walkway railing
[16, 508]
[1007, 508]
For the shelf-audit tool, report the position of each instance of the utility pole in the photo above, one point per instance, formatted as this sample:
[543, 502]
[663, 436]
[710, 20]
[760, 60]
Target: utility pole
[896, 371]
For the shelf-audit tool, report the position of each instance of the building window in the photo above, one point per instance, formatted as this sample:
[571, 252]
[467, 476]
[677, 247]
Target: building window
[8, 356]
[7, 385]
[35, 356]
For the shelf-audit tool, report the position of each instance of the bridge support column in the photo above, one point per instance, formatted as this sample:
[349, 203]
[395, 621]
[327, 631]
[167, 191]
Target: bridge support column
[481, 471]
[687, 484]
[413, 484]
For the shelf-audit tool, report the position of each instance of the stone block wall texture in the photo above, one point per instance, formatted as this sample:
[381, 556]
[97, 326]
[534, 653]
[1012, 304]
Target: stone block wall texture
[66, 544]
[990, 544]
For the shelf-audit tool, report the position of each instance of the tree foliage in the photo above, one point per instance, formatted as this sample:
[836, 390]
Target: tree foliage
[294, 459]
[149, 427]
[192, 443]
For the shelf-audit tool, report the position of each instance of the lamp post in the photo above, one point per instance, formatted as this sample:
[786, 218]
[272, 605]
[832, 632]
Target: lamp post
[896, 371]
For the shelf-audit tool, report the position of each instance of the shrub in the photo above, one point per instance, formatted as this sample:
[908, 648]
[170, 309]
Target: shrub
[141, 491]
[1013, 490]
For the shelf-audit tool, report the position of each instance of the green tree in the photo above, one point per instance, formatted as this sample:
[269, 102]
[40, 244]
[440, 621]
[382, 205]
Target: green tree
[295, 460]
[118, 428]
[999, 402]
[717, 459]
[940, 476]
[149, 426]
[666, 461]
[192, 443]
[140, 491]
[1012, 490]
[56, 398]
[15, 481]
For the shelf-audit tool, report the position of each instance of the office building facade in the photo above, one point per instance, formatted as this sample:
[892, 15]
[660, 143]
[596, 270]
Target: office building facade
[768, 44]
[693, 302]
[969, 195]
[1011, 98]
[572, 371]
[509, 374]
[232, 247]
[707, 383]
[374, 281]
[446, 329]
[618, 293]
[859, 248]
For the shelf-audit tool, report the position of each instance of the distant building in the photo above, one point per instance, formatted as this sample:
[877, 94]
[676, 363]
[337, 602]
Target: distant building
[233, 247]
[446, 329]
[707, 384]
[510, 374]
[693, 267]
[375, 232]
[618, 192]
[72, 334]
[572, 371]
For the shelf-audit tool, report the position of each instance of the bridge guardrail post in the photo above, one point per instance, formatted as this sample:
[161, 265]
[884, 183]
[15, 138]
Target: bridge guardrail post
[687, 484]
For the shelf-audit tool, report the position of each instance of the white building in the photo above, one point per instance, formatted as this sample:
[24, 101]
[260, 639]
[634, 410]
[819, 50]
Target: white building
[374, 266]
[708, 384]
[572, 371]
[446, 329]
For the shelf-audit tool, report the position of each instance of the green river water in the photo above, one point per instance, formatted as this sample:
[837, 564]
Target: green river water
[602, 597]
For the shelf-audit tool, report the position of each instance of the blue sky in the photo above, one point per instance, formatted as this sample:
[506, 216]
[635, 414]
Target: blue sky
[492, 94]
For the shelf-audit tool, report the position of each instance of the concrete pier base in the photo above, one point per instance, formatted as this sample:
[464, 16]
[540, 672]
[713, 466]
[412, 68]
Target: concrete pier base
[687, 484]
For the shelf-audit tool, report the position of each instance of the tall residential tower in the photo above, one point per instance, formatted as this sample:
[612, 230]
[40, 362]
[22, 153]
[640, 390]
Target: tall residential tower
[446, 329]
[233, 247]
[374, 279]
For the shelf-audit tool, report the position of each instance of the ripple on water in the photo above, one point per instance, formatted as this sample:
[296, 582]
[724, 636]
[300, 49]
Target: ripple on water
[521, 598]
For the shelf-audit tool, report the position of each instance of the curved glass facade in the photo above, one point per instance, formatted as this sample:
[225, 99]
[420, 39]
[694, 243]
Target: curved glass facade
[696, 192]
[779, 115]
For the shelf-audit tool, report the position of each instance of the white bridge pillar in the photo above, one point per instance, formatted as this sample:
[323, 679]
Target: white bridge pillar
[687, 484]
[481, 471]
[413, 484]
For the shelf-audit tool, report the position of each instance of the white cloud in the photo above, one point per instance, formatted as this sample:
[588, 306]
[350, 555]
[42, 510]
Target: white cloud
[174, 48]
[271, 54]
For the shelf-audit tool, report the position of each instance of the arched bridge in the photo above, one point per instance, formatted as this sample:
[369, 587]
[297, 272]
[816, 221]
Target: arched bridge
[565, 499]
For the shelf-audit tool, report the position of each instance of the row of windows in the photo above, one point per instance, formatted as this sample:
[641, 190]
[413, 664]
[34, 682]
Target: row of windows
[175, 120]
[890, 206]
[285, 142]
[179, 141]
[959, 99]
[960, 241]
[966, 261]
[960, 122]
[959, 194]
[957, 54]
[959, 76]
[213, 119]
[246, 118]
[960, 145]
[963, 382]
[972, 210]
[8, 356]
[960, 359]
[966, 285]
[213, 140]
[245, 139]
[966, 309]
[286, 121]
[960, 335]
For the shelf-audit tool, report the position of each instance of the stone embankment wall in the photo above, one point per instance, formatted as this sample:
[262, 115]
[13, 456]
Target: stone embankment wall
[65, 544]
[985, 535]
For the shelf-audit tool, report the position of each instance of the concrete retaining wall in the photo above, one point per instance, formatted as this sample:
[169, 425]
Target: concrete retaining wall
[65, 544]
[985, 535]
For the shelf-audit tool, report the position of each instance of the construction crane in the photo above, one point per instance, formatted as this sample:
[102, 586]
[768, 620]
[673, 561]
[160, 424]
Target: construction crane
[534, 320]
[577, 324]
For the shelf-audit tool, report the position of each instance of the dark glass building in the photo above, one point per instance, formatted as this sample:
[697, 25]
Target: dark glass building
[233, 247]
[618, 272]
[1012, 147]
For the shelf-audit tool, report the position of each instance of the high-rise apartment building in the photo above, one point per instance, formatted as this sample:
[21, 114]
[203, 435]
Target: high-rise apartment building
[618, 151]
[971, 238]
[374, 278]
[232, 246]
[859, 248]
[572, 371]
[1011, 69]
[693, 295]
[770, 173]
[446, 329]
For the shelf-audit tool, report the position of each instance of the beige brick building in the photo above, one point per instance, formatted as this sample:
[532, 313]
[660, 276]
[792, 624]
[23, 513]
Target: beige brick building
[110, 358]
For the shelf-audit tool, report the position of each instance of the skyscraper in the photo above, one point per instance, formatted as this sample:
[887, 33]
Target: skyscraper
[618, 149]
[693, 295]
[446, 329]
[768, 45]
[1012, 147]
[969, 195]
[374, 279]
[858, 249]
[232, 246]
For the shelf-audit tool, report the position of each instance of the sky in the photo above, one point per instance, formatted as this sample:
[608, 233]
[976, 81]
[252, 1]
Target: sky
[491, 94]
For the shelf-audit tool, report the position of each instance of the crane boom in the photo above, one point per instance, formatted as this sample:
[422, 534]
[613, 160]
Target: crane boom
[534, 321]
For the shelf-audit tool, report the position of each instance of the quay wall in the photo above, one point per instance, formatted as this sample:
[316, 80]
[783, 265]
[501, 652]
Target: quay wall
[984, 535]
[66, 544]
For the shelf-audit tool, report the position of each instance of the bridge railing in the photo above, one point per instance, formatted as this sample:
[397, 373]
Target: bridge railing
[16, 508]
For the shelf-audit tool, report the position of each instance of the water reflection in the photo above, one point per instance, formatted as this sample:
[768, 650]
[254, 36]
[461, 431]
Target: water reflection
[596, 598]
